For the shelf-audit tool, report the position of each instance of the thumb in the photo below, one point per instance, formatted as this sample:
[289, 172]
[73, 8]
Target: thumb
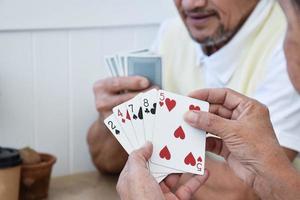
[144, 152]
[208, 122]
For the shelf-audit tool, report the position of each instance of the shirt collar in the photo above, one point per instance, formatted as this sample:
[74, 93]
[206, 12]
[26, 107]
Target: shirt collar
[224, 62]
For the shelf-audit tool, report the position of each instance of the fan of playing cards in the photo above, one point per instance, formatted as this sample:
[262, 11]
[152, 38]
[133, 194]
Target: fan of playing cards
[157, 116]
[143, 63]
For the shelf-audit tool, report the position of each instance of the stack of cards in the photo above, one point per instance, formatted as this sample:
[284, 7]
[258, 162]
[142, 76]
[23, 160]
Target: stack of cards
[157, 116]
[137, 63]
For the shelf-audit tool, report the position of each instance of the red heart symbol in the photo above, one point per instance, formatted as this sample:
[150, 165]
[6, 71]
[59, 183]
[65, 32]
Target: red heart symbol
[165, 153]
[170, 104]
[190, 159]
[179, 133]
[161, 103]
[127, 115]
[199, 159]
[192, 107]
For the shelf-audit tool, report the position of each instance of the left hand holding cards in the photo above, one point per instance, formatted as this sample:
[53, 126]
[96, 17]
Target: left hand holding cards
[157, 116]
[109, 92]
[135, 181]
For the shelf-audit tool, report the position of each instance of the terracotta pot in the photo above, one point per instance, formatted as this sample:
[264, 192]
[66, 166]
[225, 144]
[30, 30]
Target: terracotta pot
[35, 178]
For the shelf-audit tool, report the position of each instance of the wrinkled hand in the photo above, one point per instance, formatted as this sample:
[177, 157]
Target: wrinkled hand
[136, 182]
[110, 92]
[248, 143]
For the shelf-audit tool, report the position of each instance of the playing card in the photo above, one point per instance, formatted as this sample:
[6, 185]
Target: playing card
[147, 66]
[122, 115]
[176, 144]
[159, 169]
[112, 63]
[136, 114]
[149, 102]
[123, 62]
[160, 178]
[109, 67]
[117, 61]
[113, 125]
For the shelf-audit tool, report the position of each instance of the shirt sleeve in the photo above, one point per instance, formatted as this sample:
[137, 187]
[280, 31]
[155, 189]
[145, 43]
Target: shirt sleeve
[283, 101]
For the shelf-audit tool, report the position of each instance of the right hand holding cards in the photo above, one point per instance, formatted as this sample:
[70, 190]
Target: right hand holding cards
[157, 116]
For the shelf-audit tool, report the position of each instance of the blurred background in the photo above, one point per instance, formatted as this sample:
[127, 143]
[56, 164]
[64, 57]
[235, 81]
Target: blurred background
[51, 54]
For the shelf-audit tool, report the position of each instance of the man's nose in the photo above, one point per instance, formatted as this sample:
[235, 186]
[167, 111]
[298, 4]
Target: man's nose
[193, 4]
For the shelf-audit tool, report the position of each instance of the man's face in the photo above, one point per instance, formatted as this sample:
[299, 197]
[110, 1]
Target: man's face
[214, 21]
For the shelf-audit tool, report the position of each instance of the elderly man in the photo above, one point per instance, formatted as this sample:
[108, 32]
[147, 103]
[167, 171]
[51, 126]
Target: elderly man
[232, 43]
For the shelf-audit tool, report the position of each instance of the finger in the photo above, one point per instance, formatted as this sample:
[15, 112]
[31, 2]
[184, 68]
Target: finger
[226, 97]
[217, 146]
[143, 154]
[132, 83]
[170, 182]
[187, 190]
[107, 102]
[220, 110]
[151, 88]
[208, 122]
[146, 150]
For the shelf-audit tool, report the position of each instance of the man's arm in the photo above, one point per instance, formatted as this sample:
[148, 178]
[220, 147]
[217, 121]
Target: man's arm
[280, 180]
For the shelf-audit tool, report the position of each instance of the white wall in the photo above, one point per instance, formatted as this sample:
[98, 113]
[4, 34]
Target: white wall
[51, 53]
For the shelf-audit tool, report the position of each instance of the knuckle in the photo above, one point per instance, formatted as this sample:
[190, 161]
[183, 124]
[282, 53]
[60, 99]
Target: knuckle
[250, 105]
[265, 108]
[133, 155]
[260, 108]
[187, 189]
[102, 105]
[98, 85]
[228, 90]
[104, 102]
[123, 98]
[116, 82]
[198, 120]
[210, 121]
[126, 97]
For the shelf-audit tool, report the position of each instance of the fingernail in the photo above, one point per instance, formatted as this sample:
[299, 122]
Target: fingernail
[206, 172]
[191, 116]
[144, 83]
